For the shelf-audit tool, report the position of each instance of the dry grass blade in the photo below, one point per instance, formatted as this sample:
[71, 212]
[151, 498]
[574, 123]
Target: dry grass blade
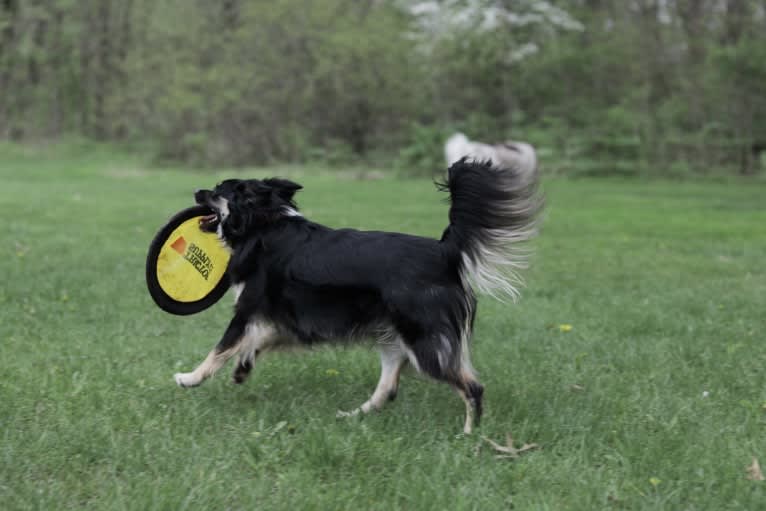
[500, 448]
[754, 471]
[508, 450]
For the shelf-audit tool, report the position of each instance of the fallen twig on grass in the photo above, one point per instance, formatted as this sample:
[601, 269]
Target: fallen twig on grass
[508, 450]
[754, 471]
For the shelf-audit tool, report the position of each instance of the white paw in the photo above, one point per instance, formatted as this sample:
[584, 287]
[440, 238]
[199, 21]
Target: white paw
[186, 380]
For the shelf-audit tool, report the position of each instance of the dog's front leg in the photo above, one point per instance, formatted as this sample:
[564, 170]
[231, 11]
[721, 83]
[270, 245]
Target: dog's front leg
[392, 359]
[243, 368]
[226, 347]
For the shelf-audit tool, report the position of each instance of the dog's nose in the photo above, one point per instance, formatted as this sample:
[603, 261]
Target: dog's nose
[201, 196]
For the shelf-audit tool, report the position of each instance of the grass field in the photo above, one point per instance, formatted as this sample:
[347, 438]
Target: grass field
[654, 399]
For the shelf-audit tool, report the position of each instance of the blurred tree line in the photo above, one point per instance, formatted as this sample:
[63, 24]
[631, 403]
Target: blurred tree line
[599, 85]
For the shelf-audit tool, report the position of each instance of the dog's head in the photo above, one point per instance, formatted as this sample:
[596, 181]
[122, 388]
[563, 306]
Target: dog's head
[241, 205]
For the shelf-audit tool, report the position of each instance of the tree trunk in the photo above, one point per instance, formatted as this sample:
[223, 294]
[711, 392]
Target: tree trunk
[10, 10]
[57, 71]
[86, 67]
[124, 43]
[737, 14]
[104, 69]
[692, 13]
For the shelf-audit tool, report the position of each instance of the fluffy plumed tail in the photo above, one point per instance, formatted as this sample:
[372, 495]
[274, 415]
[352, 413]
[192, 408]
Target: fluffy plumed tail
[493, 211]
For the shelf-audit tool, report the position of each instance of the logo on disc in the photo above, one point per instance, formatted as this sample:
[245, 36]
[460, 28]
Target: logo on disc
[194, 255]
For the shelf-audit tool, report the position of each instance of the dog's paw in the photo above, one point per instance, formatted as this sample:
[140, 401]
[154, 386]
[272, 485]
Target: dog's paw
[186, 380]
[238, 378]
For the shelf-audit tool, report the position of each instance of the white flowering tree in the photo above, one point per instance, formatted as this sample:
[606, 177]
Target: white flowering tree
[473, 47]
[525, 21]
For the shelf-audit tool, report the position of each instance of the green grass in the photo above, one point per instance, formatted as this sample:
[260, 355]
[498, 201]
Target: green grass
[664, 285]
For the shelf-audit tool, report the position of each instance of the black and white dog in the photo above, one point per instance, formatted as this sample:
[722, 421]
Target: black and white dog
[298, 282]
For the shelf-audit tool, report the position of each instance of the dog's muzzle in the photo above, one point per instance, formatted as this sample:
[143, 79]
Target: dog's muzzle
[208, 223]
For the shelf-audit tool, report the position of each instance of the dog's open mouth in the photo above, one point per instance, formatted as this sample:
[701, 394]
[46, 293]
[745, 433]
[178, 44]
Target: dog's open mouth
[209, 223]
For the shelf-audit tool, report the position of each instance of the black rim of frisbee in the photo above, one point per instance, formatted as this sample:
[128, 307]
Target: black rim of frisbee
[160, 297]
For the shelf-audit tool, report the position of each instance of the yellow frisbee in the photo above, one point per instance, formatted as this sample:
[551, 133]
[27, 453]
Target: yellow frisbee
[186, 267]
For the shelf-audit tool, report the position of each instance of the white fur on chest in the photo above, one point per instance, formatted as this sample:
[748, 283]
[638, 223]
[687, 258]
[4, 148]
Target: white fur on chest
[237, 288]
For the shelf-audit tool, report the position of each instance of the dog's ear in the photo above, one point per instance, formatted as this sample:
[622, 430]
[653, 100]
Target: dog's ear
[283, 188]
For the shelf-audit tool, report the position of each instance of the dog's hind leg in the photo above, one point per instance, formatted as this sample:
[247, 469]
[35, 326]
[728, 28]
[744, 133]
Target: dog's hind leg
[471, 391]
[438, 357]
[240, 335]
[468, 387]
[392, 359]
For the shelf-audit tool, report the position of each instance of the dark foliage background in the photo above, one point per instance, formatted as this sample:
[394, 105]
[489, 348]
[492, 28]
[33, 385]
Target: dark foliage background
[672, 87]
